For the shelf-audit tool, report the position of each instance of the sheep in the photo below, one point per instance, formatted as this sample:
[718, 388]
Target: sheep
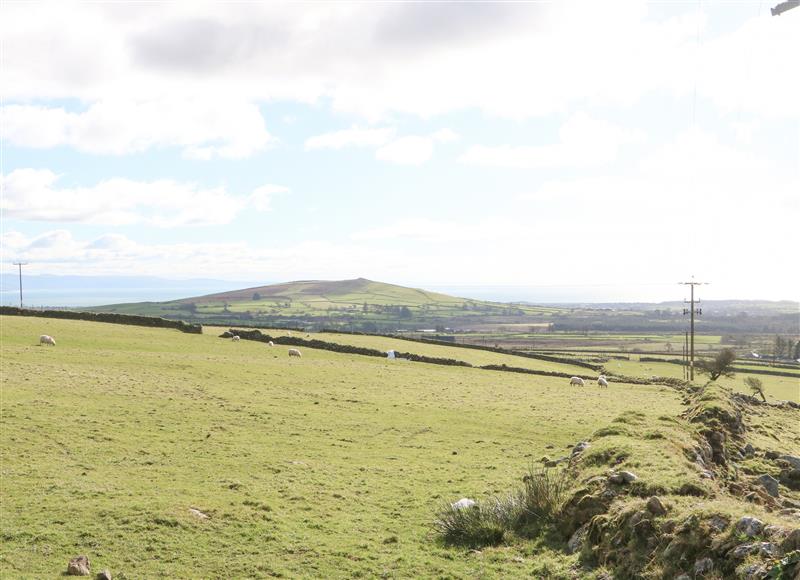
[464, 502]
[294, 352]
[577, 381]
[47, 339]
[235, 338]
[270, 343]
[602, 381]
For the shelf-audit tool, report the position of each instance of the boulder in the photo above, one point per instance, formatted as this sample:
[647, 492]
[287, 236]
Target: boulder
[770, 484]
[104, 575]
[226, 334]
[749, 526]
[580, 448]
[792, 541]
[198, 514]
[78, 566]
[655, 506]
[623, 477]
[749, 450]
[751, 571]
[575, 542]
[719, 523]
[761, 548]
[703, 566]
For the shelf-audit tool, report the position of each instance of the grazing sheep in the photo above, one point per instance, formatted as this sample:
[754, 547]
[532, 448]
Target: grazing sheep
[235, 338]
[294, 352]
[577, 381]
[601, 381]
[47, 339]
[271, 343]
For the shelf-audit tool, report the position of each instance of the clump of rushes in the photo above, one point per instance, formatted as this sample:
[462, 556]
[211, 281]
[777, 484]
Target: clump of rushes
[474, 526]
[538, 501]
[543, 495]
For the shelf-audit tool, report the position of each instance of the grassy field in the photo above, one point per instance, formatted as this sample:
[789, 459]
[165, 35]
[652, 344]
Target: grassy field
[327, 466]
[775, 387]
[473, 356]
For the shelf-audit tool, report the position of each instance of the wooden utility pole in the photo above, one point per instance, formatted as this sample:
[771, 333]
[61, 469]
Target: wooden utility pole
[20, 264]
[691, 311]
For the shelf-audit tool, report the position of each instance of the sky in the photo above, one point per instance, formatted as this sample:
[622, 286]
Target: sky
[600, 150]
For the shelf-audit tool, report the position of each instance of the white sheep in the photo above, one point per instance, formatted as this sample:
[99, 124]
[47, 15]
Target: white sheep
[235, 338]
[47, 339]
[463, 503]
[271, 343]
[577, 381]
[294, 352]
[602, 381]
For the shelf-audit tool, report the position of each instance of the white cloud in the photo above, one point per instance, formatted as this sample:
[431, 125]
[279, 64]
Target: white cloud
[353, 137]
[584, 143]
[444, 231]
[410, 150]
[34, 194]
[203, 129]
[261, 198]
[694, 191]
[506, 59]
[60, 252]
[405, 150]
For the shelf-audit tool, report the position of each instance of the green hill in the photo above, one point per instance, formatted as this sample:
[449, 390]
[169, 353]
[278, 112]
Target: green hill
[358, 304]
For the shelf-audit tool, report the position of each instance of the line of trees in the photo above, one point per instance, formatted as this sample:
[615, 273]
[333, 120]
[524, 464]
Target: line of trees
[785, 347]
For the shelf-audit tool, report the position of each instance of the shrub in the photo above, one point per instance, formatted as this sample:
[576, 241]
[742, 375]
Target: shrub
[756, 386]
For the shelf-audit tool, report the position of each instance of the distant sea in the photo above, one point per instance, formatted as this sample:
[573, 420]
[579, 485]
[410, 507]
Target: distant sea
[38, 291]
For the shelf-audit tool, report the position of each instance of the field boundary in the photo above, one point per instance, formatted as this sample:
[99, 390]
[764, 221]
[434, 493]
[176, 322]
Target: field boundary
[677, 361]
[129, 319]
[314, 343]
[498, 350]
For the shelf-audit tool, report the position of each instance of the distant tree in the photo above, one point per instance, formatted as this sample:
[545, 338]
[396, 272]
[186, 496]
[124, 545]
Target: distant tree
[779, 347]
[191, 307]
[256, 296]
[364, 308]
[405, 312]
[668, 346]
[797, 350]
[440, 328]
[719, 366]
[756, 386]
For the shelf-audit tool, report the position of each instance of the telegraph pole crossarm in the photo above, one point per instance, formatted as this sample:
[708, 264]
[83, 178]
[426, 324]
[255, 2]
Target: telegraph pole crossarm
[692, 311]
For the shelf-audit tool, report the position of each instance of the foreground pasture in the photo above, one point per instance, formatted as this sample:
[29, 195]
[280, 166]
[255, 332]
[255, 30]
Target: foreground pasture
[327, 466]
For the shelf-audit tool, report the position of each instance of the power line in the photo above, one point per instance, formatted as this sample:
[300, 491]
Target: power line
[691, 311]
[20, 264]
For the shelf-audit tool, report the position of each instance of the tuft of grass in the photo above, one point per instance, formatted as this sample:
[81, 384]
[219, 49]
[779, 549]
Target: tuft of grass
[523, 512]
[542, 496]
[473, 527]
